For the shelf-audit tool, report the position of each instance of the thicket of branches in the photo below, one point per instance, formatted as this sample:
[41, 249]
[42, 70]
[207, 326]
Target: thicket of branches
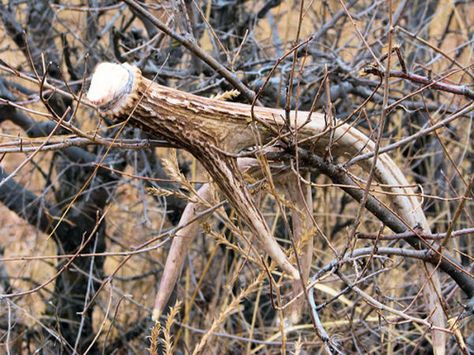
[84, 241]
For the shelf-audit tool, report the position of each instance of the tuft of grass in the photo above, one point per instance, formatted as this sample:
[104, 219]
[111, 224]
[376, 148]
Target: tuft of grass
[167, 337]
[226, 95]
[155, 339]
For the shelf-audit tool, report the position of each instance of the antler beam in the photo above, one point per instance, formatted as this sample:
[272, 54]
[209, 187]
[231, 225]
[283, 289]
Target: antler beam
[213, 131]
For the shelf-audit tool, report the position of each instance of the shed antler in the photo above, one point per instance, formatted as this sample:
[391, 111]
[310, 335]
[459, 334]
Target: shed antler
[120, 90]
[210, 129]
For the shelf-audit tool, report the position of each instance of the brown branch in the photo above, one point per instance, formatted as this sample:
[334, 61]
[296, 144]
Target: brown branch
[428, 82]
[464, 280]
[401, 142]
[188, 42]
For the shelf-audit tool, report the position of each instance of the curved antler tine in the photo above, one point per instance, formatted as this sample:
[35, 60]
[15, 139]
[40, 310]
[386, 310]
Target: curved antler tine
[303, 235]
[187, 232]
[183, 239]
[351, 141]
[227, 176]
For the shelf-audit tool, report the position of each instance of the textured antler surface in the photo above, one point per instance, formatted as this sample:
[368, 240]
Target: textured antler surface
[211, 130]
